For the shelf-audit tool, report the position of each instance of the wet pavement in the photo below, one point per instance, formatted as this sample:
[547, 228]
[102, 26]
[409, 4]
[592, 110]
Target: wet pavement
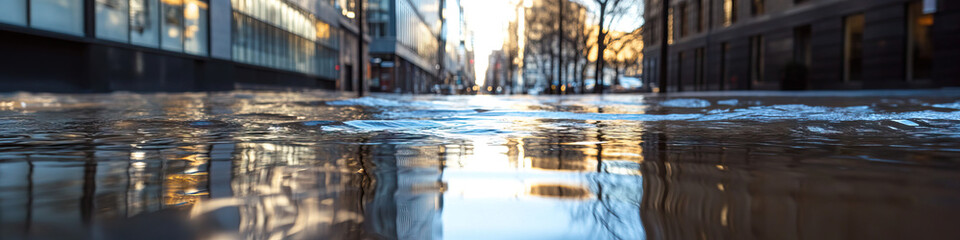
[316, 165]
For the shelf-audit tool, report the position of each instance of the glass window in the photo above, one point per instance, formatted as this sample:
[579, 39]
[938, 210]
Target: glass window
[919, 43]
[801, 45]
[701, 15]
[171, 25]
[274, 34]
[684, 27]
[729, 12]
[144, 16]
[13, 12]
[698, 70]
[757, 8]
[195, 27]
[64, 16]
[853, 47]
[670, 26]
[724, 49]
[756, 58]
[112, 20]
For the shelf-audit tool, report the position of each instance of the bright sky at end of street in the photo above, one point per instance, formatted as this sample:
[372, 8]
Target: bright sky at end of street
[488, 19]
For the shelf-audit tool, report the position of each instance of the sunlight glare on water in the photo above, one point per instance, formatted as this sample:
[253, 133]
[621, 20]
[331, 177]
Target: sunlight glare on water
[309, 165]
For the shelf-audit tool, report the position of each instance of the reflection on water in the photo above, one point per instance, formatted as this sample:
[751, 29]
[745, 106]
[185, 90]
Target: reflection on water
[261, 165]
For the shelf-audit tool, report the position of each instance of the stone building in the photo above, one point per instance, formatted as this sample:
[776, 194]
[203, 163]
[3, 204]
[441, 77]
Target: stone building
[804, 44]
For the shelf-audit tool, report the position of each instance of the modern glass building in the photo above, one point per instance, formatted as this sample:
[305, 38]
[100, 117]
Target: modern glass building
[176, 45]
[803, 44]
[411, 50]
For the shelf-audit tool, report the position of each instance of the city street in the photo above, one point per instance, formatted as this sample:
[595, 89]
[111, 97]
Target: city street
[878, 164]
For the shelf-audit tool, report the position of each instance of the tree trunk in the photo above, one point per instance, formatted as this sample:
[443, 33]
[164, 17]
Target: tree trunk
[576, 74]
[616, 76]
[560, 46]
[598, 75]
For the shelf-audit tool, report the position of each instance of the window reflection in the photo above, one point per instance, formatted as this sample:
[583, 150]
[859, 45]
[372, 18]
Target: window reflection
[275, 34]
[378, 18]
[173, 25]
[112, 20]
[414, 33]
[853, 47]
[195, 25]
[729, 12]
[919, 42]
[171, 22]
[144, 15]
[63, 16]
[670, 22]
[13, 12]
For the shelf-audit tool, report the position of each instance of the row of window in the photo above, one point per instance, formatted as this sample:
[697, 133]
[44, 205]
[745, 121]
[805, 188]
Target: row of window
[415, 34]
[259, 43]
[378, 18]
[429, 10]
[277, 34]
[179, 26]
[279, 14]
[63, 16]
[919, 52]
[685, 10]
[269, 33]
[919, 47]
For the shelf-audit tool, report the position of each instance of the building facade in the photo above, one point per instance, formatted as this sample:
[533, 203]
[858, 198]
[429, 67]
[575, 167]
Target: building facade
[496, 80]
[177, 45]
[415, 46]
[803, 44]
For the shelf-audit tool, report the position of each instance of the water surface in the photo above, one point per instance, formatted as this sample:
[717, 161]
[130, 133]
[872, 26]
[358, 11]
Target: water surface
[318, 165]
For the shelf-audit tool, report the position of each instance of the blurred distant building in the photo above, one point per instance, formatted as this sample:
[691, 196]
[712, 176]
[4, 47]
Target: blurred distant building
[805, 44]
[497, 73]
[418, 45]
[465, 73]
[177, 45]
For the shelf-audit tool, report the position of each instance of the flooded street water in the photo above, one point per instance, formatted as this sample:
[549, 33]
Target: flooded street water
[316, 165]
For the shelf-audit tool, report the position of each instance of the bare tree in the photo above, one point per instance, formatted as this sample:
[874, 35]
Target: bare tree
[624, 51]
[541, 53]
[609, 12]
[574, 37]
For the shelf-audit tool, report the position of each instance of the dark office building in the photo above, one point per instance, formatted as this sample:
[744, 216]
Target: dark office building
[804, 44]
[176, 45]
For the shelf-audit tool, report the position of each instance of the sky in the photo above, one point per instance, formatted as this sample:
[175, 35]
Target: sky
[488, 19]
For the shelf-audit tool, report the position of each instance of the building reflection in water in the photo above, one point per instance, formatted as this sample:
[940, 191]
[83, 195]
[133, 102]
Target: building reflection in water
[184, 176]
[719, 190]
[265, 167]
[566, 180]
